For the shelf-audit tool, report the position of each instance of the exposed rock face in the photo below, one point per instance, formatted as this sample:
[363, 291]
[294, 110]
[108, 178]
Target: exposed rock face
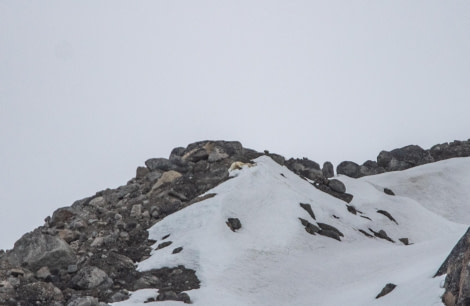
[457, 268]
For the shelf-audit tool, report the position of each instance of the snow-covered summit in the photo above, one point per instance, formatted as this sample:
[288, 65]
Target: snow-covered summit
[273, 260]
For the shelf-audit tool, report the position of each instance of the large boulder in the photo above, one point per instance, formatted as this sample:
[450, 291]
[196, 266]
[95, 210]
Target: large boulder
[36, 249]
[349, 168]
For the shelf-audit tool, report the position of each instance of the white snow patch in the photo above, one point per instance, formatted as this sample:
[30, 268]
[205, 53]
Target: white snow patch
[272, 260]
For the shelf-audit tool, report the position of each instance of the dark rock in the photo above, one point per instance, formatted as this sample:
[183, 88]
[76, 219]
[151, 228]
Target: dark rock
[405, 241]
[330, 234]
[404, 158]
[328, 227]
[389, 191]
[370, 168]
[351, 209]
[384, 158]
[342, 196]
[381, 234]
[308, 208]
[164, 245]
[328, 170]
[234, 224]
[387, 214]
[365, 233]
[304, 167]
[457, 268]
[35, 250]
[349, 168]
[337, 185]
[177, 250]
[309, 227]
[454, 149]
[386, 290]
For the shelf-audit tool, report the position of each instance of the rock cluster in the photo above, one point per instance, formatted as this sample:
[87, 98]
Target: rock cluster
[404, 158]
[86, 253]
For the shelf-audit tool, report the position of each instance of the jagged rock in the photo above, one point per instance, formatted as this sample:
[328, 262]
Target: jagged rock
[61, 216]
[386, 290]
[381, 234]
[234, 224]
[36, 250]
[337, 185]
[349, 168]
[309, 210]
[309, 227]
[329, 231]
[162, 164]
[328, 169]
[457, 268]
[91, 277]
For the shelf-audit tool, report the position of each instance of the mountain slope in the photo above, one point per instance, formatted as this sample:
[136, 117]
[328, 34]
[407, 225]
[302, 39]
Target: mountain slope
[272, 260]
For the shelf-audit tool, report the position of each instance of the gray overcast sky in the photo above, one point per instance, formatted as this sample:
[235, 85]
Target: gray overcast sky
[91, 89]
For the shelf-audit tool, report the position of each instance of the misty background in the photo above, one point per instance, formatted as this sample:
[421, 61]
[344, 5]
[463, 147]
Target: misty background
[91, 89]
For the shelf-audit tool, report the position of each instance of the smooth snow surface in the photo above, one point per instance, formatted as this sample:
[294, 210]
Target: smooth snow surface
[272, 260]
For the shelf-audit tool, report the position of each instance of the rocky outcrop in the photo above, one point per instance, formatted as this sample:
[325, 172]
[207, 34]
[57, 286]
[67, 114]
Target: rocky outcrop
[86, 254]
[457, 268]
[405, 158]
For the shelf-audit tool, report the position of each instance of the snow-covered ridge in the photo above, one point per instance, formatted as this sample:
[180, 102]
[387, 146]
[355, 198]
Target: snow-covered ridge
[272, 260]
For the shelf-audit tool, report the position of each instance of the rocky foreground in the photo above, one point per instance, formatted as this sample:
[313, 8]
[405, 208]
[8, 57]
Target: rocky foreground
[86, 254]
